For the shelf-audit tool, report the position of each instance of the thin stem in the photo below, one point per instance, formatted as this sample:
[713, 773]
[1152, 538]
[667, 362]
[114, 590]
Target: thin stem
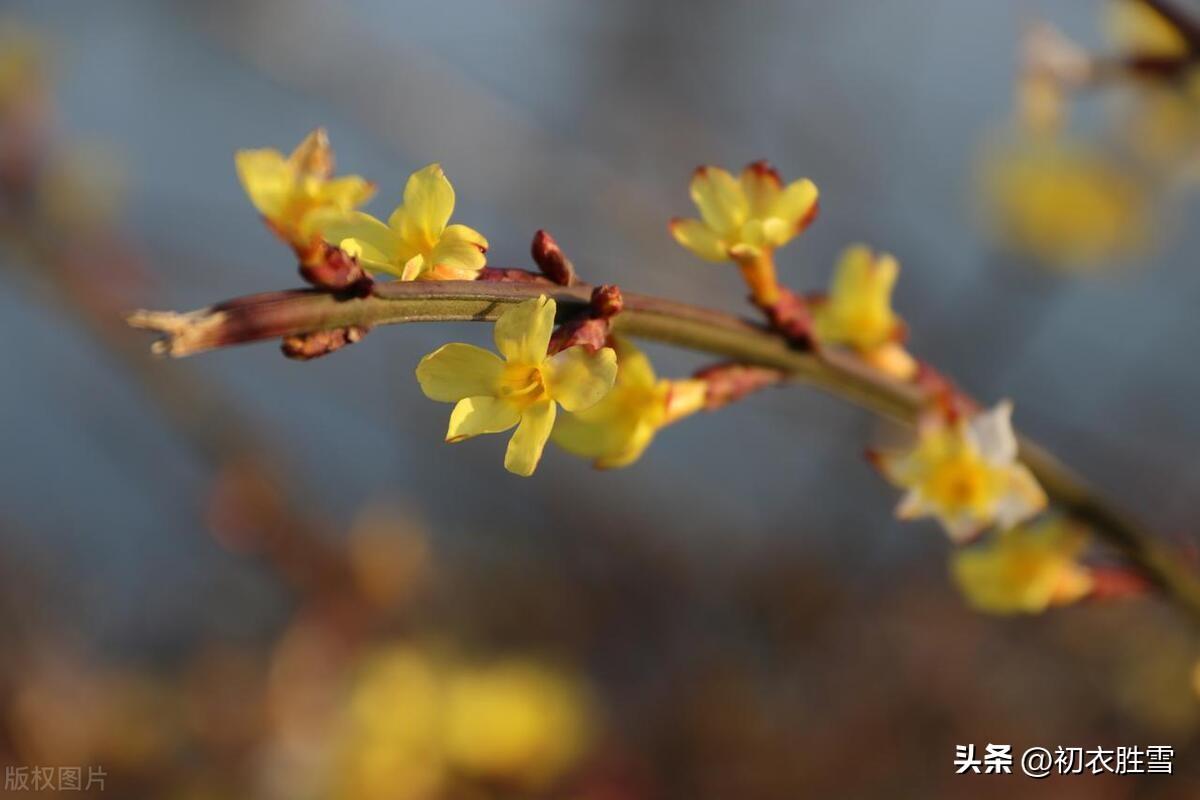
[278, 314]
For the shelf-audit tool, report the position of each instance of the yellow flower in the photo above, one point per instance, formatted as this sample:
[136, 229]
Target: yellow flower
[744, 219]
[965, 472]
[1137, 29]
[617, 430]
[1065, 205]
[288, 190]
[390, 745]
[416, 243]
[525, 387]
[858, 311]
[24, 64]
[515, 721]
[1025, 569]
[1162, 126]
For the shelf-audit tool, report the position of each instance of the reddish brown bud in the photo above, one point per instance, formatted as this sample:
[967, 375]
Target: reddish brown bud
[307, 346]
[1113, 582]
[551, 260]
[730, 382]
[789, 315]
[607, 301]
[591, 333]
[333, 269]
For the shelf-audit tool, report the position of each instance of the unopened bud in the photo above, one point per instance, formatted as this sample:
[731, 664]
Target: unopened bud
[607, 301]
[328, 267]
[307, 346]
[730, 382]
[551, 260]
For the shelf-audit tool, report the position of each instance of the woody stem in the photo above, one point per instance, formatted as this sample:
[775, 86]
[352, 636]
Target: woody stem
[278, 314]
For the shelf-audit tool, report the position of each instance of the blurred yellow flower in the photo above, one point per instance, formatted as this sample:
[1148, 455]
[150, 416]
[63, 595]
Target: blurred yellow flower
[390, 745]
[858, 311]
[1135, 28]
[517, 722]
[965, 472]
[744, 219]
[416, 243]
[24, 62]
[492, 394]
[617, 430]
[1067, 205]
[1024, 570]
[288, 190]
[1162, 126]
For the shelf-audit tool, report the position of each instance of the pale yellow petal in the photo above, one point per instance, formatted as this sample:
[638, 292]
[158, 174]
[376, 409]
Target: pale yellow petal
[267, 179]
[346, 192]
[473, 416]
[368, 257]
[762, 187]
[460, 248]
[527, 443]
[634, 368]
[1024, 498]
[600, 431]
[635, 445]
[523, 331]
[428, 204]
[700, 239]
[456, 370]
[578, 379]
[372, 235]
[720, 199]
[415, 268]
[992, 432]
[797, 203]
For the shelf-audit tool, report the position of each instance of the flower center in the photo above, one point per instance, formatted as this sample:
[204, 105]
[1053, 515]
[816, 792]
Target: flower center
[522, 385]
[962, 482]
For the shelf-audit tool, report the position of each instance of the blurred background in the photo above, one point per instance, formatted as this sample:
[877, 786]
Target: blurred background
[242, 576]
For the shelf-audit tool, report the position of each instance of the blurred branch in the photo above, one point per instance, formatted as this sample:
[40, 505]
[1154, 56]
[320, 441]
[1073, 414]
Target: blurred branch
[279, 314]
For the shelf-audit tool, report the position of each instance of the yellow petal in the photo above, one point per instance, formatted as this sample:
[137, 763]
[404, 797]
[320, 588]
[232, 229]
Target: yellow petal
[796, 203]
[368, 257]
[267, 179]
[372, 236]
[428, 204]
[636, 443]
[992, 432]
[635, 369]
[762, 186]
[523, 331]
[1135, 28]
[700, 239]
[473, 416]
[720, 199]
[415, 268]
[578, 379]
[600, 431]
[460, 248]
[526, 445]
[455, 371]
[346, 192]
[1023, 499]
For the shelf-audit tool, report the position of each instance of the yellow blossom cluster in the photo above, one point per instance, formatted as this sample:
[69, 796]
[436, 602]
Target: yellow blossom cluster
[304, 204]
[417, 719]
[964, 469]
